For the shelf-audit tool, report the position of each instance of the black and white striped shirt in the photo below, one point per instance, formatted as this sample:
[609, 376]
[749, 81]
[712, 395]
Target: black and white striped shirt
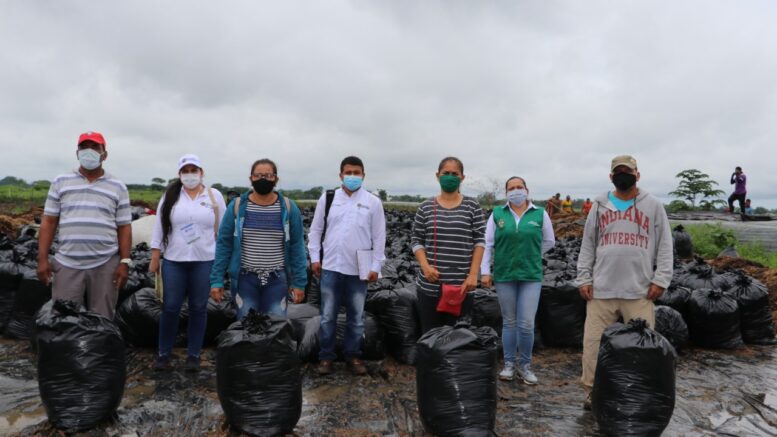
[262, 243]
[459, 231]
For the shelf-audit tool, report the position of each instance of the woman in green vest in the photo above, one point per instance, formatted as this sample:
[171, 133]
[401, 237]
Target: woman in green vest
[517, 233]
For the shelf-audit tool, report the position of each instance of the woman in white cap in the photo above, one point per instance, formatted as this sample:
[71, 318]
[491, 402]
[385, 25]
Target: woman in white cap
[185, 232]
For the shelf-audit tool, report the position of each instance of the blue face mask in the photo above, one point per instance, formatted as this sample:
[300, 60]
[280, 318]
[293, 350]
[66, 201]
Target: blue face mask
[89, 159]
[352, 182]
[517, 196]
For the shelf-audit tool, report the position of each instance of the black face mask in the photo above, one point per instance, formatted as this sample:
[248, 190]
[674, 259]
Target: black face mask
[624, 181]
[263, 186]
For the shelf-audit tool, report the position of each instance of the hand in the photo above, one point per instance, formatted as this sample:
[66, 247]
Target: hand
[297, 295]
[316, 269]
[654, 292]
[217, 294]
[431, 274]
[153, 266]
[44, 271]
[469, 284]
[485, 281]
[372, 277]
[120, 276]
[587, 292]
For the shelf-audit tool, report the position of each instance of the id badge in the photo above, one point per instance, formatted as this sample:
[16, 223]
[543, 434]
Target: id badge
[189, 233]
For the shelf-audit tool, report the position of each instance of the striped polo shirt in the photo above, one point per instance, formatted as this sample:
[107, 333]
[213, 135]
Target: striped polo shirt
[89, 215]
[262, 243]
[458, 231]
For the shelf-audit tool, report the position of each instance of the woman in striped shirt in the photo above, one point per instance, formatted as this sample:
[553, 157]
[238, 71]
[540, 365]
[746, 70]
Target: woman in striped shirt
[261, 244]
[448, 242]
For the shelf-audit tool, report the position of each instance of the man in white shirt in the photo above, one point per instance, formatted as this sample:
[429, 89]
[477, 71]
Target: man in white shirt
[354, 240]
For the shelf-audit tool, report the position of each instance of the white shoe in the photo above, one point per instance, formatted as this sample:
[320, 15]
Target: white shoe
[508, 373]
[527, 375]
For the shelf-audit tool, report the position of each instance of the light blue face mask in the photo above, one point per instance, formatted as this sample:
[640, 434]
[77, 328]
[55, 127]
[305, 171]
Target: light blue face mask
[352, 182]
[89, 159]
[517, 196]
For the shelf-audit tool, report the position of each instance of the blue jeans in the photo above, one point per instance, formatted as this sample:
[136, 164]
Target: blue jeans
[180, 280]
[518, 301]
[269, 298]
[339, 289]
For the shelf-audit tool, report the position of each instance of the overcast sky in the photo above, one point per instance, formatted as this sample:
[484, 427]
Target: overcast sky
[549, 90]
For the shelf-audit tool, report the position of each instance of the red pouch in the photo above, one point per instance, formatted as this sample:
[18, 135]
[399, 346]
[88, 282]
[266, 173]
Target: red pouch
[451, 299]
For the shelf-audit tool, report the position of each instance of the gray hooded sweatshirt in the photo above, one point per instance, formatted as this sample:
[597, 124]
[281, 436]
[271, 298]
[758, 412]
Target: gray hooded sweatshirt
[624, 252]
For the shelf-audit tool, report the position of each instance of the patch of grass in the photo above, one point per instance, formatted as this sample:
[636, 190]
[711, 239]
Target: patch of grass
[710, 239]
[758, 253]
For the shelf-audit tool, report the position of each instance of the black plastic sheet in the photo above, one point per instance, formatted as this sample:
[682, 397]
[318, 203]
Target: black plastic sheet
[486, 310]
[9, 283]
[298, 315]
[456, 380]
[138, 317]
[714, 319]
[28, 300]
[81, 366]
[671, 325]
[634, 386]
[755, 313]
[258, 375]
[396, 311]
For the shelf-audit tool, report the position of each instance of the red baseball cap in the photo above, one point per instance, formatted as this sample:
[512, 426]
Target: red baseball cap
[97, 137]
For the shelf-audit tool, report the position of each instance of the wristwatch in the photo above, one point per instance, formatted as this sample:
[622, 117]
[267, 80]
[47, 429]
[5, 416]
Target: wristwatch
[126, 261]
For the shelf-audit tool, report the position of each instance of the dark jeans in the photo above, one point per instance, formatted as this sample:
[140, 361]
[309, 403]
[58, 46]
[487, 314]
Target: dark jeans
[738, 197]
[269, 298]
[339, 289]
[182, 279]
[431, 318]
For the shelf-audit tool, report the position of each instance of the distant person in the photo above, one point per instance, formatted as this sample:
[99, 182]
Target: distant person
[91, 210]
[587, 206]
[748, 207]
[231, 194]
[739, 180]
[353, 229]
[448, 240]
[185, 233]
[553, 205]
[261, 243]
[566, 204]
[625, 260]
[518, 233]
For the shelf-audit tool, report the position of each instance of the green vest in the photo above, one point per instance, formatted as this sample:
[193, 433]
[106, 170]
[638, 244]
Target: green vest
[518, 252]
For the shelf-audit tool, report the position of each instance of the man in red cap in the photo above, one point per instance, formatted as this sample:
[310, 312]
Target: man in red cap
[91, 209]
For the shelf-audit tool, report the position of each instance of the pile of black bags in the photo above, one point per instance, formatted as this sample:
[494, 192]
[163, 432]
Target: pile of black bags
[81, 365]
[372, 340]
[714, 319]
[672, 326]
[755, 312]
[561, 312]
[456, 380]
[396, 311]
[634, 385]
[30, 297]
[258, 375]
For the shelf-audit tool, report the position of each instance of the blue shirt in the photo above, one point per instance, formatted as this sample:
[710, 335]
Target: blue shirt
[620, 205]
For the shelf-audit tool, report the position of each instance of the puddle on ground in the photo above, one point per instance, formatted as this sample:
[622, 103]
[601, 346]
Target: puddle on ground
[718, 393]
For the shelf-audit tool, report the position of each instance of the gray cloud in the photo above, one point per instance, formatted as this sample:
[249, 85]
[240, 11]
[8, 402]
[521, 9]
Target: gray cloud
[547, 90]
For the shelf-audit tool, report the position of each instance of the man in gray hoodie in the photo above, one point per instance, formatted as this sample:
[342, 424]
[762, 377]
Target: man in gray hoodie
[625, 261]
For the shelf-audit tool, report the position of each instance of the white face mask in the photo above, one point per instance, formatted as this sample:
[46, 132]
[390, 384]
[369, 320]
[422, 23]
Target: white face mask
[517, 196]
[89, 159]
[191, 180]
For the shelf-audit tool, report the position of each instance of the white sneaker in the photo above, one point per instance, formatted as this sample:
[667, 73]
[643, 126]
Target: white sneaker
[508, 372]
[527, 375]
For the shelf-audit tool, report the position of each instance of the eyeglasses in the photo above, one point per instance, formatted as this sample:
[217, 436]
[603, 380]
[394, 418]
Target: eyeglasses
[268, 176]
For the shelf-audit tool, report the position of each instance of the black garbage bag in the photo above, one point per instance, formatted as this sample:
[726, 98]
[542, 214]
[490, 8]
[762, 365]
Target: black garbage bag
[313, 290]
[138, 318]
[258, 375]
[456, 380]
[81, 366]
[9, 283]
[299, 314]
[754, 310]
[220, 316]
[372, 341]
[671, 325]
[486, 310]
[28, 300]
[714, 319]
[397, 314]
[561, 313]
[634, 385]
[676, 297]
[702, 275]
[683, 246]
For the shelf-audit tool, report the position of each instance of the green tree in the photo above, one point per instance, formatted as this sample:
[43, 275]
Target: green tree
[383, 195]
[157, 183]
[10, 180]
[41, 185]
[697, 185]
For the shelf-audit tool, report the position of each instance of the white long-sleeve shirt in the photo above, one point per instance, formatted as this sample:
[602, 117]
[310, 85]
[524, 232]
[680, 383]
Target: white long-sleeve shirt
[355, 222]
[192, 235]
[548, 237]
